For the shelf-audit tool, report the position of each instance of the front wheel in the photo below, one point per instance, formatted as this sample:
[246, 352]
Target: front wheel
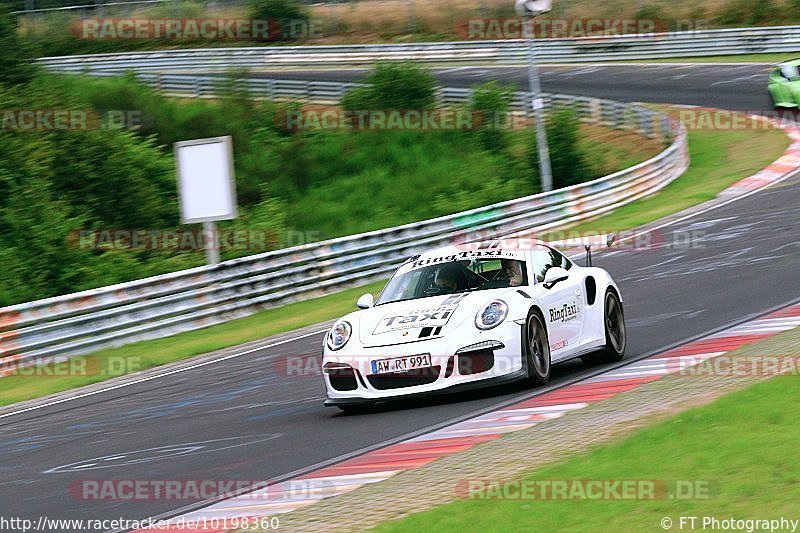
[616, 337]
[537, 350]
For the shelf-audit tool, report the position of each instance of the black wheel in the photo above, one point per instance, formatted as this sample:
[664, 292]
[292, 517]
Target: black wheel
[616, 337]
[537, 350]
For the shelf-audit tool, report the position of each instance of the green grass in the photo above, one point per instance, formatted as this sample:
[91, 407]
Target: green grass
[743, 447]
[719, 158]
[148, 354]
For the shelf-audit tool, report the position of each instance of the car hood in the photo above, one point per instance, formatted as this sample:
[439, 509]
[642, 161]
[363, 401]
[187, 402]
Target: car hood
[420, 319]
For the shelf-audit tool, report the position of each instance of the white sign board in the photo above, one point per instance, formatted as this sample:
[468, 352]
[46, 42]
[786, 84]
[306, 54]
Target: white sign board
[206, 184]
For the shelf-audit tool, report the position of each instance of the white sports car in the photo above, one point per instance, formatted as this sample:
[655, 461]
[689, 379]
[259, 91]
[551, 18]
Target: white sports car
[470, 316]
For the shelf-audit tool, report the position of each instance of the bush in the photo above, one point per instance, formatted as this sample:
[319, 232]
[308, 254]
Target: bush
[169, 120]
[655, 14]
[763, 11]
[360, 98]
[395, 85]
[567, 162]
[290, 14]
[491, 101]
[15, 55]
[57, 182]
[648, 12]
[365, 180]
[748, 12]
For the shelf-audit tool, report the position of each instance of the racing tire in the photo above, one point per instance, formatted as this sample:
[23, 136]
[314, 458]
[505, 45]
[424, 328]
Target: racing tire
[537, 350]
[616, 335]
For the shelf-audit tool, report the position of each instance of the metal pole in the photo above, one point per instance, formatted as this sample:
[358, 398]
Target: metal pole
[212, 243]
[537, 106]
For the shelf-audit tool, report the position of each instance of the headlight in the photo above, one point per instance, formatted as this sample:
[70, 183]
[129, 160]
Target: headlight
[339, 335]
[492, 315]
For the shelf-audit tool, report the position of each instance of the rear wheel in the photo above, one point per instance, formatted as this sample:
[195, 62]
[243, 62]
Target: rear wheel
[537, 350]
[616, 336]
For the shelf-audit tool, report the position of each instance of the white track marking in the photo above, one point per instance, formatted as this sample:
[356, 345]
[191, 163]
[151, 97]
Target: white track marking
[710, 208]
[734, 80]
[451, 70]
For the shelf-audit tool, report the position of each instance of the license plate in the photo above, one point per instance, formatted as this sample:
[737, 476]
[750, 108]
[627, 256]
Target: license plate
[400, 364]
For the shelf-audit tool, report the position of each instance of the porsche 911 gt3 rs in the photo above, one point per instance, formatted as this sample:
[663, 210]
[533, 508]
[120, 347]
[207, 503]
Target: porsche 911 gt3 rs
[469, 316]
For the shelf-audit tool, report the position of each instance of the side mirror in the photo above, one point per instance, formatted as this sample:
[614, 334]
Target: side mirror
[365, 302]
[554, 275]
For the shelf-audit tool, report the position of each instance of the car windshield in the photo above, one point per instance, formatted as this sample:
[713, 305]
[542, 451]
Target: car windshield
[790, 72]
[454, 277]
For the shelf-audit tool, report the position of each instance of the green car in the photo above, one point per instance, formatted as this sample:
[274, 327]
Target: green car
[784, 84]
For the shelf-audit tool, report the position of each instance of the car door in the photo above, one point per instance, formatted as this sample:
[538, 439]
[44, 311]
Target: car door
[562, 303]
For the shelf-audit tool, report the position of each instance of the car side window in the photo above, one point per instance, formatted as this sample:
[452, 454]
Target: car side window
[544, 258]
[789, 72]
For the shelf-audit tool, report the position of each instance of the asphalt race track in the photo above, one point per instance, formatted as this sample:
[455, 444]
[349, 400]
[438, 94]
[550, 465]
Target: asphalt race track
[243, 420]
[728, 86]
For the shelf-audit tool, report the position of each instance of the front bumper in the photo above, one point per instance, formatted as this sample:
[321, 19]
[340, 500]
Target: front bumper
[350, 380]
[519, 375]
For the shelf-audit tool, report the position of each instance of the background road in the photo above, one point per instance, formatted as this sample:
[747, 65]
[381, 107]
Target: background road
[243, 420]
[739, 87]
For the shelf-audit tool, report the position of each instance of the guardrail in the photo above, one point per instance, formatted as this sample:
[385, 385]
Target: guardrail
[604, 112]
[57, 328]
[506, 52]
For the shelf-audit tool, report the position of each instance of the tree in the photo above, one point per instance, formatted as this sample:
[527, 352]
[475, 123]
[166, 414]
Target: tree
[15, 55]
[566, 158]
[291, 16]
[394, 85]
[491, 102]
